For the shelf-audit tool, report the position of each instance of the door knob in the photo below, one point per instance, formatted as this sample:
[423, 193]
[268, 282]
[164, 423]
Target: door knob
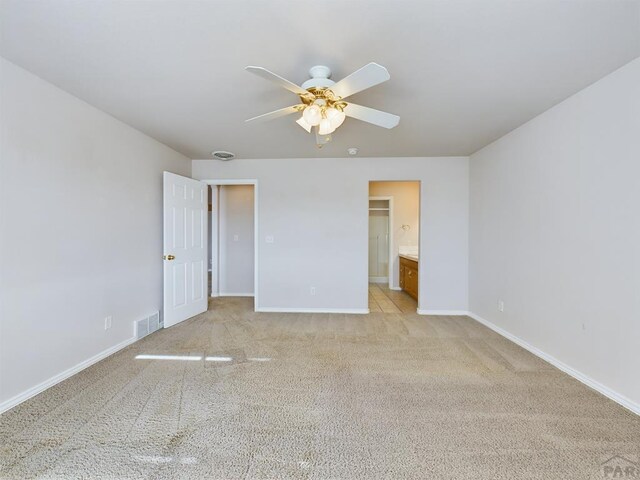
[169, 257]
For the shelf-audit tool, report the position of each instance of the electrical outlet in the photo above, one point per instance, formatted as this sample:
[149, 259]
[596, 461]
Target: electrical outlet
[107, 322]
[268, 239]
[236, 238]
[313, 290]
[500, 306]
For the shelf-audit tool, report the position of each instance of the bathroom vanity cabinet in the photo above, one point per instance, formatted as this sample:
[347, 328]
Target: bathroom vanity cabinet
[409, 275]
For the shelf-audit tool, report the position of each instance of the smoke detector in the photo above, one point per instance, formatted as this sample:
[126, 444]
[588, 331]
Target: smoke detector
[222, 155]
[352, 151]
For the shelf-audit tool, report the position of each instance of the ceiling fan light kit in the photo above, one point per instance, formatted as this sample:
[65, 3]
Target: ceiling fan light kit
[303, 123]
[323, 107]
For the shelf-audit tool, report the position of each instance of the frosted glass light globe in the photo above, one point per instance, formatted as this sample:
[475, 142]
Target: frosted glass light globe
[337, 118]
[330, 113]
[325, 127]
[312, 115]
[302, 122]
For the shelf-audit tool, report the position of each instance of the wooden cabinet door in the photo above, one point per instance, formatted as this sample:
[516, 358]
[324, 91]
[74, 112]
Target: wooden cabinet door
[409, 276]
[411, 281]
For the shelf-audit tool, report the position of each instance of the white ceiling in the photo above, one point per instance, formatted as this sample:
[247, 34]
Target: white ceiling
[463, 73]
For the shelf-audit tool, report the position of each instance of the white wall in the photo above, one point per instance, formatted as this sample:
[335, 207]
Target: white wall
[555, 232]
[406, 211]
[317, 212]
[80, 230]
[236, 240]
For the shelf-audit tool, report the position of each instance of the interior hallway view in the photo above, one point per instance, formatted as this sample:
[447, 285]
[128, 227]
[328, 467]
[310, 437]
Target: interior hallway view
[236, 394]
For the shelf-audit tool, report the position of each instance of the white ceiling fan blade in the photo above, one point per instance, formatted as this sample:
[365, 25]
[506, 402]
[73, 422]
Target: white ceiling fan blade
[368, 76]
[277, 113]
[371, 115]
[283, 82]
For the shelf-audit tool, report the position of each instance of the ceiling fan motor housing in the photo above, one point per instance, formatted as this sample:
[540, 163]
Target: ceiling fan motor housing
[319, 78]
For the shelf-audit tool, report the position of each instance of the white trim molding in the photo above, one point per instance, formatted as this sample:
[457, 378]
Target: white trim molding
[357, 311]
[456, 313]
[227, 294]
[581, 377]
[41, 387]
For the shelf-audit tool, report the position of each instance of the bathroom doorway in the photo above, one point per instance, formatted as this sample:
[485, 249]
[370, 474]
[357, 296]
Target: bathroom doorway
[394, 252]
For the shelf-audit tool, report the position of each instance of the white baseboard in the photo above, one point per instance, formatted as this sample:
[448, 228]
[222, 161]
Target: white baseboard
[227, 294]
[398, 289]
[41, 387]
[358, 311]
[588, 381]
[456, 313]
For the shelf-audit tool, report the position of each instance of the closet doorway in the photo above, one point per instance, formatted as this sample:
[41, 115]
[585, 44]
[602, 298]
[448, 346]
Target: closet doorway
[380, 240]
[233, 245]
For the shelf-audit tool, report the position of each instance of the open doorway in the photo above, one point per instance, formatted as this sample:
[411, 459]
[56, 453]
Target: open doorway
[394, 252]
[233, 243]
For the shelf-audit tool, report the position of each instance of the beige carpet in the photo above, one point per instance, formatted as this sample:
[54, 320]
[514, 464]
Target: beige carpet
[317, 396]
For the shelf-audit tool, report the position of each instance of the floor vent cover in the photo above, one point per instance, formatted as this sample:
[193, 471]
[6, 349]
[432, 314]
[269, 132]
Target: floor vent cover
[154, 322]
[147, 325]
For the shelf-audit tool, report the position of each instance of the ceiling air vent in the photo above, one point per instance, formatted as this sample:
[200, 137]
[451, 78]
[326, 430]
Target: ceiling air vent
[222, 155]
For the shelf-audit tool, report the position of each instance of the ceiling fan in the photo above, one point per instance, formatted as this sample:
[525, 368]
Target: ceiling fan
[322, 101]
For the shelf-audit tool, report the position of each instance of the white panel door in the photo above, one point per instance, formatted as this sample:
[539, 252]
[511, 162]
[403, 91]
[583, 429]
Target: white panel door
[185, 248]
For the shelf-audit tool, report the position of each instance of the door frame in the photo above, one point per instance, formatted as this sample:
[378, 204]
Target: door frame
[216, 267]
[420, 222]
[391, 232]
